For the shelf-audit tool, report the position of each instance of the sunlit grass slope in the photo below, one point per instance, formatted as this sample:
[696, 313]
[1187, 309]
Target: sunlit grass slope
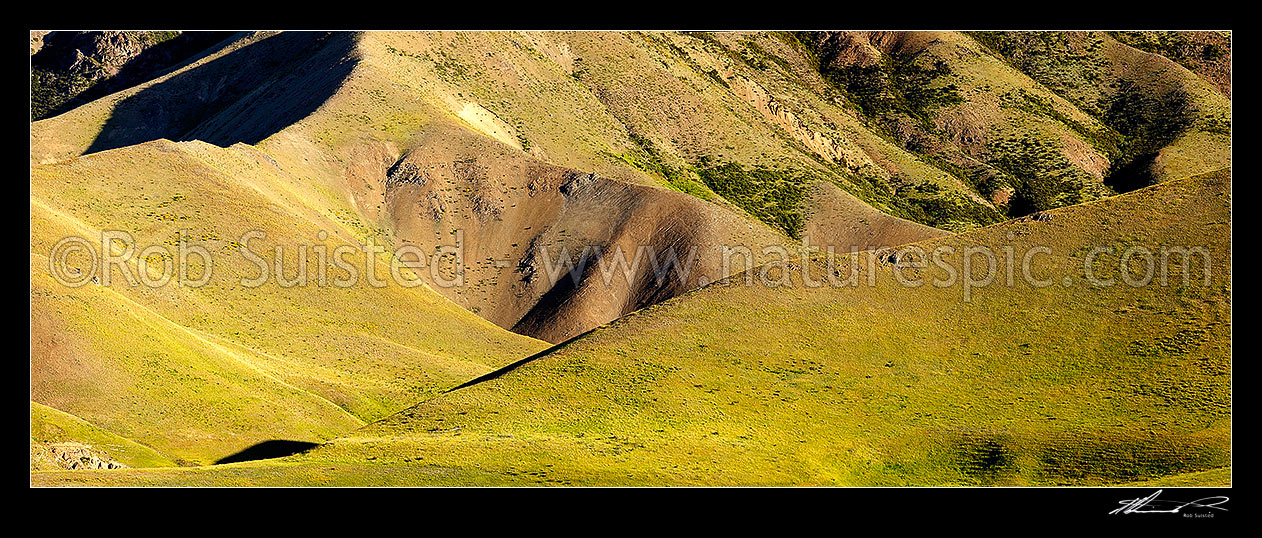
[49, 425]
[1212, 478]
[865, 385]
[198, 373]
[559, 98]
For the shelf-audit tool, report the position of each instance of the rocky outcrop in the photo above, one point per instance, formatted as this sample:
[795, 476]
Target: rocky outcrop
[834, 149]
[70, 456]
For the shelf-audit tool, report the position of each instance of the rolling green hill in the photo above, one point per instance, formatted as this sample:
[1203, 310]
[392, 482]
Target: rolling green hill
[864, 385]
[198, 373]
[1167, 121]
[49, 426]
[516, 142]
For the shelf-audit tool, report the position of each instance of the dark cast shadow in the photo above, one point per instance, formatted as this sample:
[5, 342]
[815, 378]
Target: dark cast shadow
[275, 448]
[243, 96]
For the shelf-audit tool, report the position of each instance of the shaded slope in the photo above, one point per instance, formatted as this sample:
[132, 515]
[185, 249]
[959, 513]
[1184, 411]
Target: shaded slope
[72, 68]
[245, 95]
[288, 75]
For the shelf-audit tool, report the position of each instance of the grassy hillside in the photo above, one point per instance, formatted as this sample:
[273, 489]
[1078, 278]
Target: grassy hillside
[939, 95]
[520, 141]
[1207, 54]
[862, 385]
[945, 129]
[1213, 478]
[201, 372]
[1170, 122]
[351, 109]
[49, 425]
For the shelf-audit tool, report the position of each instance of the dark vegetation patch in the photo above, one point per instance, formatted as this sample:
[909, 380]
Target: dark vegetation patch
[1178, 46]
[886, 94]
[896, 88]
[1040, 175]
[984, 178]
[934, 205]
[1145, 118]
[1106, 140]
[1052, 60]
[50, 90]
[650, 160]
[714, 77]
[897, 84]
[707, 37]
[986, 459]
[757, 57]
[928, 203]
[1149, 121]
[772, 196]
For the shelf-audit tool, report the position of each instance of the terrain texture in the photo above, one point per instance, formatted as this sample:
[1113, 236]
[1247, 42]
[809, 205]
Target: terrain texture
[527, 148]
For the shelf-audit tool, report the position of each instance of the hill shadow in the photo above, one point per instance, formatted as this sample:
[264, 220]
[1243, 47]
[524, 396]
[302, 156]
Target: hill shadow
[243, 96]
[519, 363]
[61, 50]
[275, 448]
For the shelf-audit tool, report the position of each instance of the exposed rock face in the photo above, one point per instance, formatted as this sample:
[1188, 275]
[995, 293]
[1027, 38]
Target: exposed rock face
[832, 147]
[521, 220]
[578, 183]
[37, 40]
[404, 173]
[757, 97]
[71, 456]
[1002, 195]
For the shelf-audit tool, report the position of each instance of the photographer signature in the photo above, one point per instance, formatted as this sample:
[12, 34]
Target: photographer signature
[1152, 505]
